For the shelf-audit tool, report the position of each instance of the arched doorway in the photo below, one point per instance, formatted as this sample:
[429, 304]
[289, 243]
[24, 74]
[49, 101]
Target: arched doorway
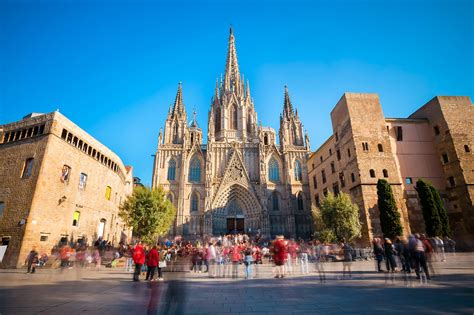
[236, 209]
[101, 229]
[235, 218]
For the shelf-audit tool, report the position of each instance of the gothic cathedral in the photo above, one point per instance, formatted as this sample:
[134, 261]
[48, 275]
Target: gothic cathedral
[241, 180]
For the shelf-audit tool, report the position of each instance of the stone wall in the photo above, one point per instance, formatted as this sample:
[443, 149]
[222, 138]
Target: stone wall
[52, 200]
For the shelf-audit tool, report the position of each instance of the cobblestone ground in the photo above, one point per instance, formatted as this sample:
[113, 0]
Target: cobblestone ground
[111, 291]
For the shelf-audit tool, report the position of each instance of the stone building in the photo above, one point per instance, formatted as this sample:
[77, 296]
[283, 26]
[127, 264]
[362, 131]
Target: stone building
[241, 180]
[434, 143]
[57, 185]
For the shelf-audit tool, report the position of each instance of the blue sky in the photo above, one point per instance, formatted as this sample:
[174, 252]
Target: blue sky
[113, 67]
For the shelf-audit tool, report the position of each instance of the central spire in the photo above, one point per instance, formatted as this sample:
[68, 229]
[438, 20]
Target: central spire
[232, 74]
[287, 107]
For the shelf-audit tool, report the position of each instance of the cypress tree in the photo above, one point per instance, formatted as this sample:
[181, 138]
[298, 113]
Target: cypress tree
[429, 208]
[443, 215]
[389, 215]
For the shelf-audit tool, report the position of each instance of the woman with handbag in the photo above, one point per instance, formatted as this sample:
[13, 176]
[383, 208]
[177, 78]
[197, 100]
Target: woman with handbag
[162, 263]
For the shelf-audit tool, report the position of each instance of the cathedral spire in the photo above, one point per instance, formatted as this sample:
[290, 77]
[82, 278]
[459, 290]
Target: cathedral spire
[247, 90]
[232, 74]
[287, 107]
[178, 108]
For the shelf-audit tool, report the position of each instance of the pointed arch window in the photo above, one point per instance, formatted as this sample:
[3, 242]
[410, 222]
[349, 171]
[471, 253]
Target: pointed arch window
[218, 119]
[194, 202]
[172, 169]
[175, 133]
[298, 175]
[249, 121]
[275, 201]
[195, 170]
[273, 170]
[233, 117]
[300, 201]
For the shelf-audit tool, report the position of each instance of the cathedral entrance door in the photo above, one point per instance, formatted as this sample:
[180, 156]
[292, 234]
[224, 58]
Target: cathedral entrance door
[235, 225]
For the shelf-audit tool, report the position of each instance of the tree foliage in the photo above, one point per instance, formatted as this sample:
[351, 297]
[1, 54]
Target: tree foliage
[442, 213]
[148, 212]
[389, 214]
[321, 233]
[338, 218]
[429, 208]
[434, 212]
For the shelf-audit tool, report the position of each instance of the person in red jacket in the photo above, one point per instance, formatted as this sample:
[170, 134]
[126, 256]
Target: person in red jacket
[152, 262]
[280, 254]
[139, 260]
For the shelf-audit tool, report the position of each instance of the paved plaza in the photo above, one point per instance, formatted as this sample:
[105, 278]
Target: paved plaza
[111, 291]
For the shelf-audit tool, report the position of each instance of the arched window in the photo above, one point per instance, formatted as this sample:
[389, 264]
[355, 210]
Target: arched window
[172, 169]
[218, 119]
[249, 121]
[194, 202]
[372, 173]
[275, 201]
[195, 170]
[385, 173]
[273, 171]
[233, 117]
[298, 175]
[175, 133]
[300, 201]
[353, 177]
[101, 229]
[265, 139]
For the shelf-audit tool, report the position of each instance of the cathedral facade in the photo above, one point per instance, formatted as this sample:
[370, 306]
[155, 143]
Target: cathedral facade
[241, 180]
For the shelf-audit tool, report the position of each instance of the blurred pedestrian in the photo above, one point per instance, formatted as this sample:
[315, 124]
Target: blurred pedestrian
[279, 256]
[139, 260]
[32, 260]
[152, 263]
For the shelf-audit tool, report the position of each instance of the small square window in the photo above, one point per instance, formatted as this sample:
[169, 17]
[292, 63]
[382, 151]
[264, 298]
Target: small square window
[399, 132]
[409, 180]
[108, 192]
[82, 181]
[65, 174]
[43, 238]
[27, 168]
[445, 158]
[452, 182]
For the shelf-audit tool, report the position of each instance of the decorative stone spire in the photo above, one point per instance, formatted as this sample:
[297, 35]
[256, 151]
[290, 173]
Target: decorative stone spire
[232, 74]
[247, 91]
[215, 100]
[287, 107]
[178, 108]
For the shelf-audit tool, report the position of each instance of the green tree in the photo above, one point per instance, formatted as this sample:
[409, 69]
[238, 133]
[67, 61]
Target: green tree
[148, 212]
[443, 215]
[429, 208]
[321, 233]
[340, 217]
[389, 214]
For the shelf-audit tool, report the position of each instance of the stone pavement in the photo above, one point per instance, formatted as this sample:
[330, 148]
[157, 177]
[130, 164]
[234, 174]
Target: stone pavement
[111, 291]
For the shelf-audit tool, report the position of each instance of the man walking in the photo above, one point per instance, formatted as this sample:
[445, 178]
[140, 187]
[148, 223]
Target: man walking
[139, 260]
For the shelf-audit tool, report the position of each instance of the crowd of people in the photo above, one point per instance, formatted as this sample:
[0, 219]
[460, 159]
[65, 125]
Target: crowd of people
[415, 253]
[237, 255]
